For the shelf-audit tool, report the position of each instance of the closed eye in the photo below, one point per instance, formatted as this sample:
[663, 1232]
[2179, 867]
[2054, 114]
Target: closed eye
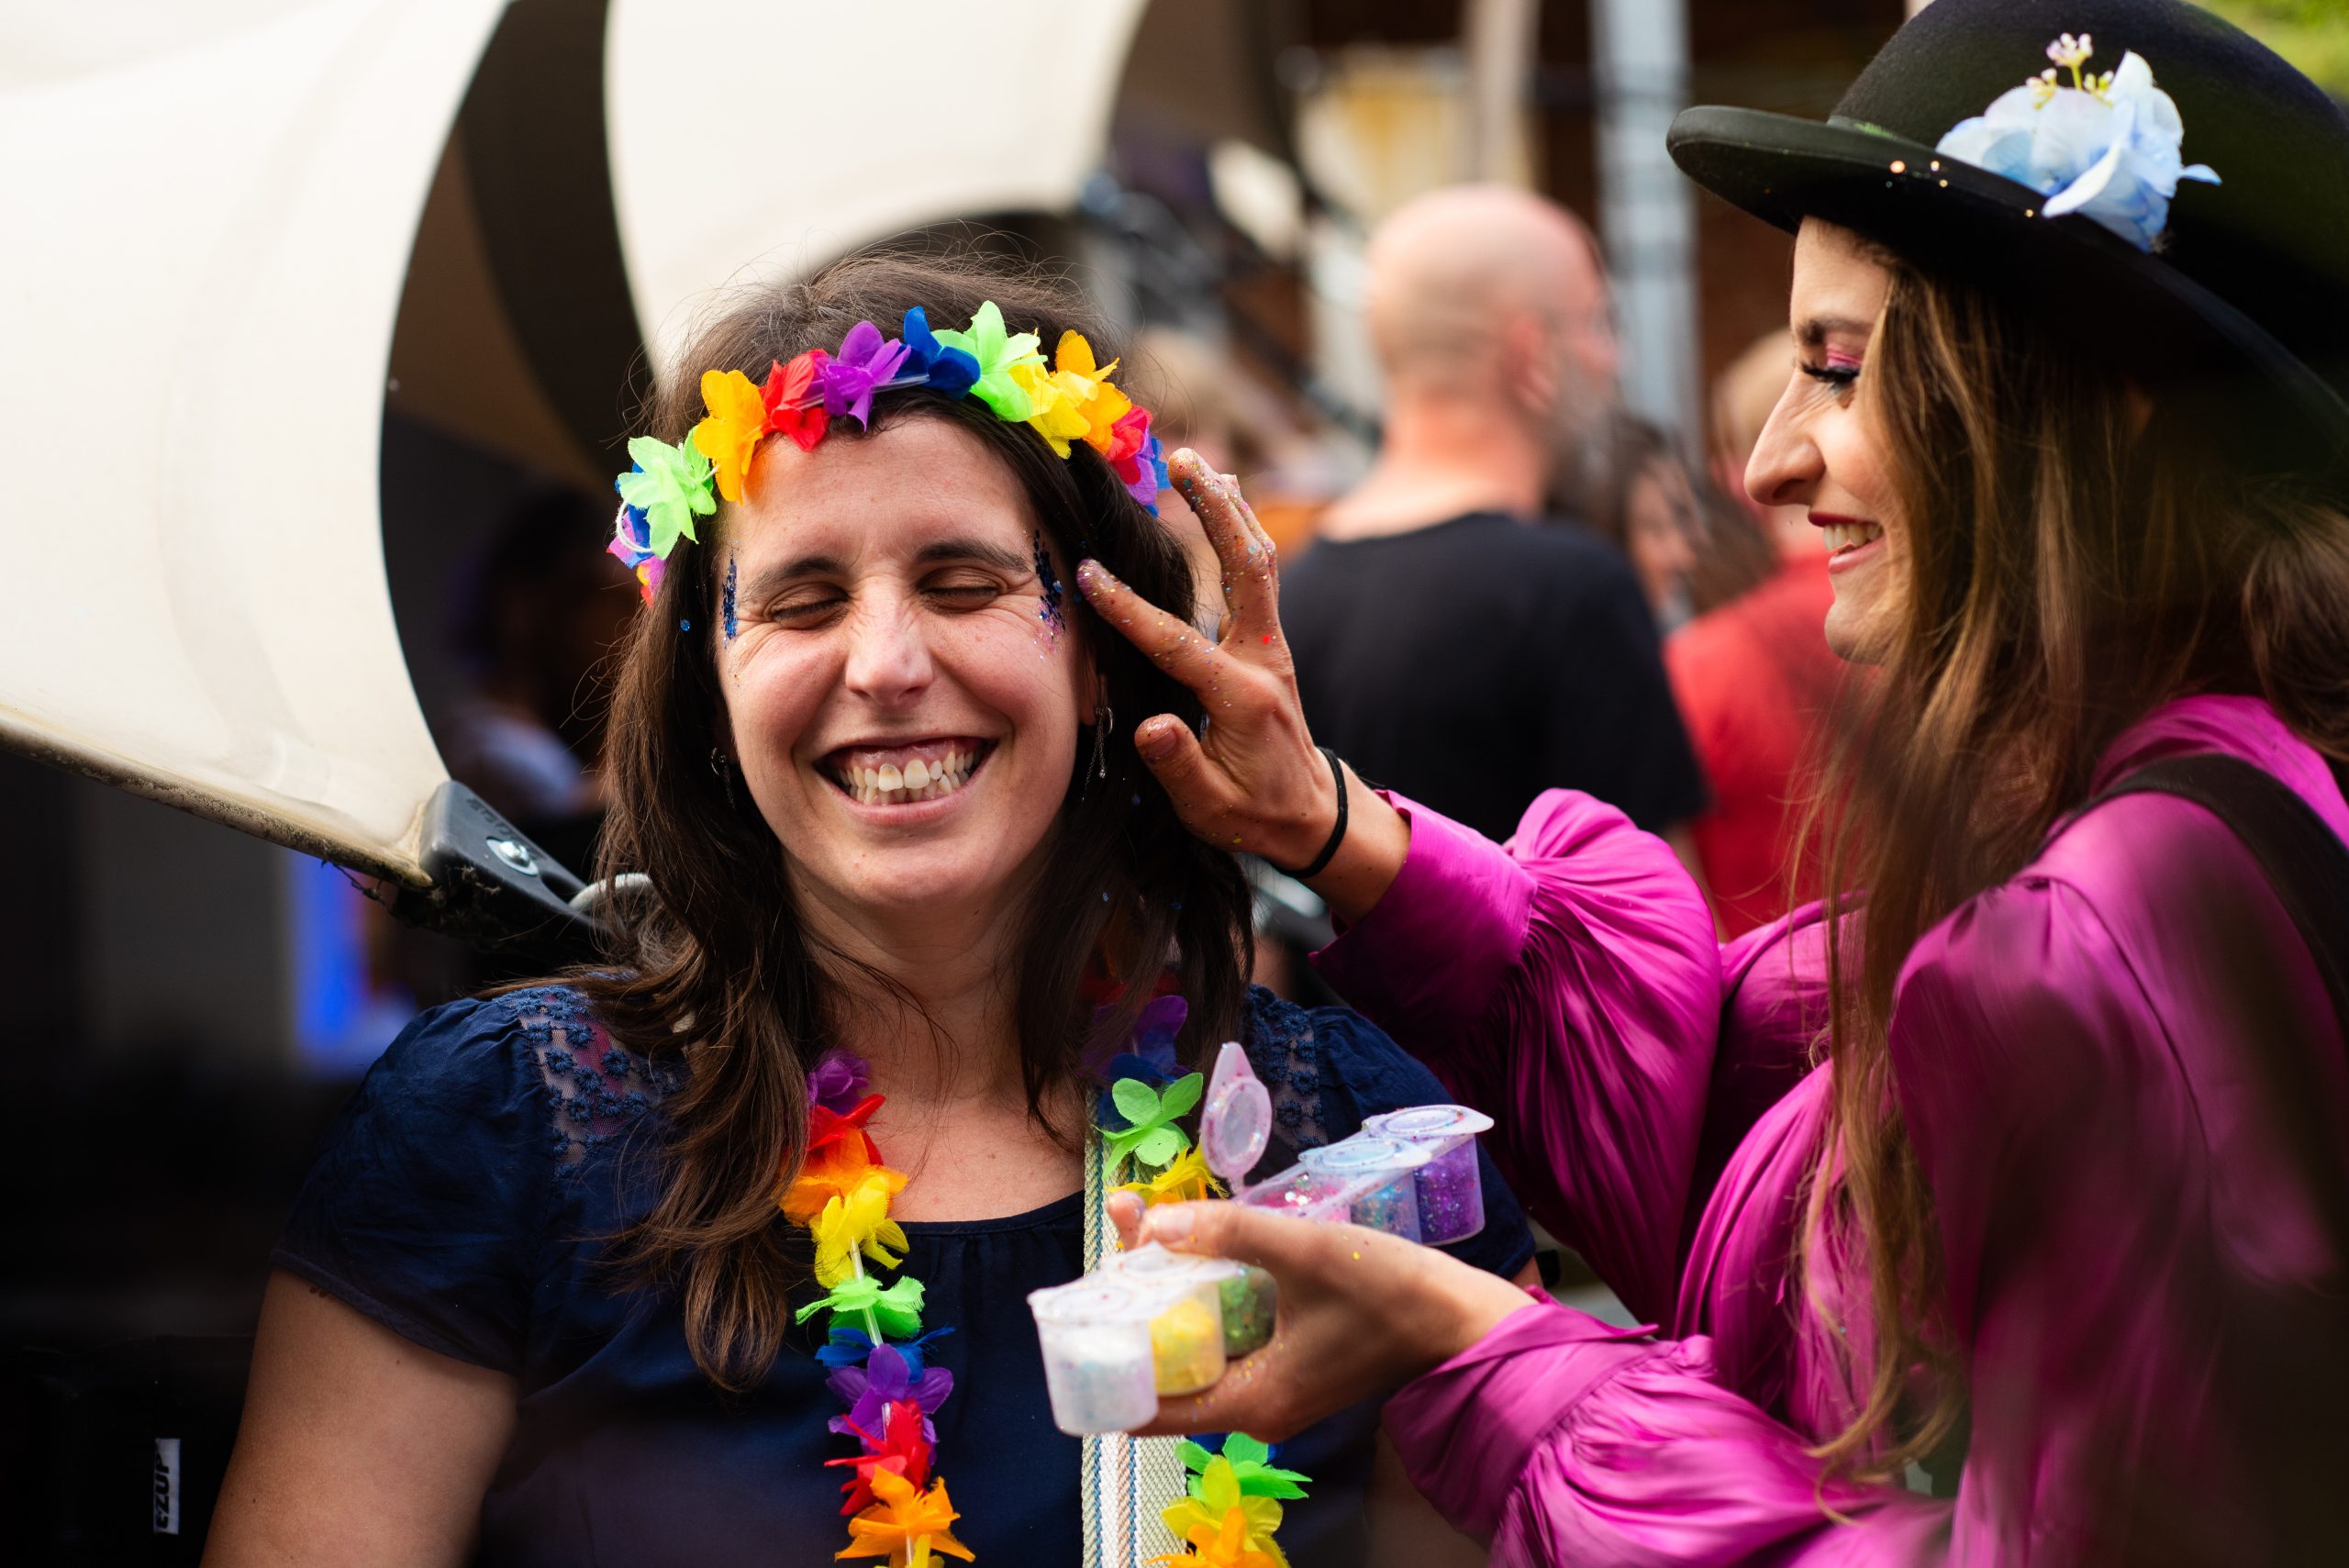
[964, 591]
[807, 607]
[1837, 377]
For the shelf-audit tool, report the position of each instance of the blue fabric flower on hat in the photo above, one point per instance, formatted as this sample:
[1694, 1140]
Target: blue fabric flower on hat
[2106, 147]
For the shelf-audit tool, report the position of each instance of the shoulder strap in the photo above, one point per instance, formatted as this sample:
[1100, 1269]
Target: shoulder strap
[2305, 861]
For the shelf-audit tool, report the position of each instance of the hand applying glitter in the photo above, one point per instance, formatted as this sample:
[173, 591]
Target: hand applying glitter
[1361, 1314]
[1253, 782]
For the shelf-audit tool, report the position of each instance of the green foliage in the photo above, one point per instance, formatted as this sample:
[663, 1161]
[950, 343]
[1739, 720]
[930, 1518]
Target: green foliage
[2312, 34]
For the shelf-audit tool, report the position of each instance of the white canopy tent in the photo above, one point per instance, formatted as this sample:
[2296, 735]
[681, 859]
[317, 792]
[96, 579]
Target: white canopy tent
[212, 211]
[775, 137]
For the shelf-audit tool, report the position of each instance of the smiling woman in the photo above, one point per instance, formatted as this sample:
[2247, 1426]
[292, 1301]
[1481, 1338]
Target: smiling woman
[610, 1249]
[902, 696]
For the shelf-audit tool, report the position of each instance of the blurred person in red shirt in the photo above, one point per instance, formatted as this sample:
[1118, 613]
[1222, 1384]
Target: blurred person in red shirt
[1754, 679]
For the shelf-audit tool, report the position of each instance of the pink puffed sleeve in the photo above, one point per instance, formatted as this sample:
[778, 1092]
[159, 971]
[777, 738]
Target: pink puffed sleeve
[1568, 985]
[1562, 1440]
[2124, 1083]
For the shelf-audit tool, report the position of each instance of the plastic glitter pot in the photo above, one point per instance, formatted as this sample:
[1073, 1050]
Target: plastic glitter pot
[1381, 1175]
[1245, 1295]
[1250, 1298]
[1451, 1187]
[1299, 1193]
[1099, 1371]
[1186, 1340]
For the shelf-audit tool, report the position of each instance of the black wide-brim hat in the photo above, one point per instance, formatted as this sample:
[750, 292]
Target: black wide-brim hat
[2243, 302]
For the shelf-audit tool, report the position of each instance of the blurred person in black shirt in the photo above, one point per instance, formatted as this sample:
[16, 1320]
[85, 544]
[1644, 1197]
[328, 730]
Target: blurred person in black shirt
[1444, 645]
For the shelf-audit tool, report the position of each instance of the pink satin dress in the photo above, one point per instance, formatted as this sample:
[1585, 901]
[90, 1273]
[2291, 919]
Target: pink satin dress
[2128, 1238]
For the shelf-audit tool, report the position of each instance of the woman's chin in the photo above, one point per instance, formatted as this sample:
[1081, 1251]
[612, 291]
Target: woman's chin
[1859, 626]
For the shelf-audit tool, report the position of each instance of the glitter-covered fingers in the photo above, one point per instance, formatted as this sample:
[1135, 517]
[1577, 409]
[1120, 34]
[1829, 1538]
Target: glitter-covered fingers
[1250, 571]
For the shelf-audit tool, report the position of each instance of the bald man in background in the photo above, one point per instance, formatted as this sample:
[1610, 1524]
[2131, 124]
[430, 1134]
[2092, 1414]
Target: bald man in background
[1445, 646]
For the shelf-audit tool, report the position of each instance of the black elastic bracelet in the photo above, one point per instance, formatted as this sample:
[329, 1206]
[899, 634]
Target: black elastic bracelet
[1337, 834]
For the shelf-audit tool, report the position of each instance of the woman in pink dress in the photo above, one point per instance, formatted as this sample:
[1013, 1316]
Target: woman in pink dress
[2024, 1179]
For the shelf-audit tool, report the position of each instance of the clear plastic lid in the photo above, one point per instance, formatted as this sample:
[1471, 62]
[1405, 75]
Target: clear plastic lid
[1429, 1122]
[1152, 1262]
[1094, 1299]
[1363, 1155]
[1237, 1119]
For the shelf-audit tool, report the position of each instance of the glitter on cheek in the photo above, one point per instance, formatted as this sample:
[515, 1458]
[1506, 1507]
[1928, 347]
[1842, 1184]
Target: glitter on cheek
[730, 626]
[1051, 614]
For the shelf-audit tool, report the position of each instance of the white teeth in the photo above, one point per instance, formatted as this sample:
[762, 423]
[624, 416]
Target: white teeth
[1841, 537]
[918, 779]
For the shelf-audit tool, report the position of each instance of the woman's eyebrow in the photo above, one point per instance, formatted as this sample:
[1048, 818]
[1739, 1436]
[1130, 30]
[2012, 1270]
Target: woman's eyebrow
[1813, 331]
[775, 576]
[978, 549]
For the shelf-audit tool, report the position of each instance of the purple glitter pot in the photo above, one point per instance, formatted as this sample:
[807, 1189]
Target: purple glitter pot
[1380, 1176]
[1451, 1188]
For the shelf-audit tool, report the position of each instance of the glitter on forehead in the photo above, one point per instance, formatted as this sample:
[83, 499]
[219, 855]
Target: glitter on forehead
[730, 627]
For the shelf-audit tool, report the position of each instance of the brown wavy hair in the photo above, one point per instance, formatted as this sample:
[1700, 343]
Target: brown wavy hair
[713, 971]
[2079, 551]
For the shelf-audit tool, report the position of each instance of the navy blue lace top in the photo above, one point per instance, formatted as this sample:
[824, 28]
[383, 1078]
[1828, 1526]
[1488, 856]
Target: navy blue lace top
[460, 1200]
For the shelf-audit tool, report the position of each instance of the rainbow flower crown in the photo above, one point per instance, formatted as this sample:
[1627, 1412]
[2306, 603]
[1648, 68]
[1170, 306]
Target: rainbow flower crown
[1069, 400]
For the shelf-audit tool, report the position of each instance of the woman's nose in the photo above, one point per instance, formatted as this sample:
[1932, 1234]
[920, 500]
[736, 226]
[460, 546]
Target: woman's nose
[888, 656]
[1784, 467]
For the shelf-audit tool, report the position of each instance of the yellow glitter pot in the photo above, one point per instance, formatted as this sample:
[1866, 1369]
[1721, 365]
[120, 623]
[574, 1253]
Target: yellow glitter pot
[1244, 1294]
[1186, 1339]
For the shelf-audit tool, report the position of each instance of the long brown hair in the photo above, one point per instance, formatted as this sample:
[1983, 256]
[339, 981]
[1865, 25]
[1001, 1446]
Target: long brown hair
[714, 969]
[2078, 554]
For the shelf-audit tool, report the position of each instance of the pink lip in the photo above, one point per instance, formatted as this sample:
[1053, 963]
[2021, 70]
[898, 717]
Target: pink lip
[1858, 555]
[911, 814]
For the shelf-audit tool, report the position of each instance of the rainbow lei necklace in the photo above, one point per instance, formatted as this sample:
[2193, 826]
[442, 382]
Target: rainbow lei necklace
[877, 1351]
[875, 1347]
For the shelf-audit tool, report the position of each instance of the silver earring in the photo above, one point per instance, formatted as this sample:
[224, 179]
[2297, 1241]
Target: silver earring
[1104, 718]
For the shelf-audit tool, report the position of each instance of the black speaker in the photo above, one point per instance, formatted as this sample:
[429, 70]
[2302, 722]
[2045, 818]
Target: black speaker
[120, 1450]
